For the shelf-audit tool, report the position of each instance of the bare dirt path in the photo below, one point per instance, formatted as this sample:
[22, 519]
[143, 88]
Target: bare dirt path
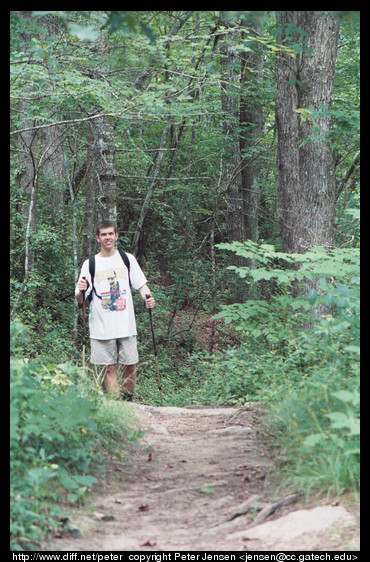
[186, 487]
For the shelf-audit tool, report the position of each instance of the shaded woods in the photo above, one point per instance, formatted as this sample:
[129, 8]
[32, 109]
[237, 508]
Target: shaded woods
[226, 147]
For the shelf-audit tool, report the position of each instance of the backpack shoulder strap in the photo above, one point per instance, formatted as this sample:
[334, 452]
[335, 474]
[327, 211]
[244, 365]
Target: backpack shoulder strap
[92, 275]
[126, 261]
[92, 267]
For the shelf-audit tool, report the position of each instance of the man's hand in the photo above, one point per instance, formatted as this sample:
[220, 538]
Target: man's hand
[145, 294]
[149, 301]
[82, 285]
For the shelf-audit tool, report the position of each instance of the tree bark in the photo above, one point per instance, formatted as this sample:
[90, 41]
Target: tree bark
[230, 99]
[105, 176]
[243, 122]
[305, 158]
[251, 125]
[89, 212]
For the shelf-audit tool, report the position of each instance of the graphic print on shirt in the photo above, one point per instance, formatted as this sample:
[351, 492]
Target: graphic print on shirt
[113, 297]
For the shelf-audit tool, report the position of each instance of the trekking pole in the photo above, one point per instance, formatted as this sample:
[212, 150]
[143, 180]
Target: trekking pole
[83, 333]
[155, 351]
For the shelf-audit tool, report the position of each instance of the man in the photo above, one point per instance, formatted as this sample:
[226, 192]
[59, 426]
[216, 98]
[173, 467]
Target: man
[112, 317]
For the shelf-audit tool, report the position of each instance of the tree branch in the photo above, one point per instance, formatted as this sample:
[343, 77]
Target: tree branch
[66, 122]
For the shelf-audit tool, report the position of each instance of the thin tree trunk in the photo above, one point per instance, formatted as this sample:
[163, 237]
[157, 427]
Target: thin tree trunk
[51, 140]
[30, 226]
[105, 176]
[251, 124]
[230, 96]
[89, 211]
[149, 195]
[73, 196]
[213, 284]
[28, 255]
[53, 170]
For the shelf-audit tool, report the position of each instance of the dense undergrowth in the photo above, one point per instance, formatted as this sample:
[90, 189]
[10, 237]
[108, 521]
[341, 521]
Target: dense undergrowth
[61, 428]
[298, 355]
[296, 352]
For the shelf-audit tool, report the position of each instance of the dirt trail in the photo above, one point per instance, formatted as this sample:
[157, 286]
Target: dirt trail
[182, 489]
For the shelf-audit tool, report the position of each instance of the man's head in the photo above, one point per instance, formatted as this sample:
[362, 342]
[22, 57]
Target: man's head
[105, 224]
[107, 236]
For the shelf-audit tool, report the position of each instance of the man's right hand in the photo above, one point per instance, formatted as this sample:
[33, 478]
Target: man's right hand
[82, 285]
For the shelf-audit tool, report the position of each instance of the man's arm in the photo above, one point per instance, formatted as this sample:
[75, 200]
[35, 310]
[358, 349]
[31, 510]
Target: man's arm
[144, 290]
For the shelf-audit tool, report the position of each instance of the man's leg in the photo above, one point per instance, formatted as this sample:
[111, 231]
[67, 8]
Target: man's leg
[128, 357]
[128, 381]
[110, 381]
[104, 352]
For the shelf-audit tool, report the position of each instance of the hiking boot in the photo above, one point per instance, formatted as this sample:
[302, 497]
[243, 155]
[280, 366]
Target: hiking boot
[126, 396]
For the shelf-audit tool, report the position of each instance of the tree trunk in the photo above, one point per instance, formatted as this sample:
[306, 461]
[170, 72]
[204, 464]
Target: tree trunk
[88, 245]
[51, 140]
[53, 170]
[305, 158]
[230, 98]
[105, 175]
[251, 124]
[149, 195]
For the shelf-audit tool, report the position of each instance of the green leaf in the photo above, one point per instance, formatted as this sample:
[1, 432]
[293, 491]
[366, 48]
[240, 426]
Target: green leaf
[339, 419]
[313, 440]
[85, 33]
[207, 490]
[344, 395]
[312, 296]
[344, 421]
[352, 448]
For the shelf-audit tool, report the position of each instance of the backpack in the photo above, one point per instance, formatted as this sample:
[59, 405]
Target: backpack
[126, 261]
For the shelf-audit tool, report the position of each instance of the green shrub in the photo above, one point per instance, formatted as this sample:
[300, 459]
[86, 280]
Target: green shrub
[301, 357]
[51, 445]
[60, 430]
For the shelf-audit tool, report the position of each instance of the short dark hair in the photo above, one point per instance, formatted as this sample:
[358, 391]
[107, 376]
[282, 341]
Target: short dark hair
[105, 224]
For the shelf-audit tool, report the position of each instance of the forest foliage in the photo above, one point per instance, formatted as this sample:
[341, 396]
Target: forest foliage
[166, 122]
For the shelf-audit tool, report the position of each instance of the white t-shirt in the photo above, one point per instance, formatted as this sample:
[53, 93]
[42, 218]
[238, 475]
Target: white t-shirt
[113, 315]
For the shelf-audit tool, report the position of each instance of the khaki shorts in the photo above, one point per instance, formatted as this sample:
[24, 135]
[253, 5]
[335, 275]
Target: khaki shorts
[111, 352]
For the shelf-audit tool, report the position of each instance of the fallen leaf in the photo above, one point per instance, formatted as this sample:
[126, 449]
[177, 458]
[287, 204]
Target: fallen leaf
[150, 457]
[104, 516]
[98, 515]
[207, 490]
[108, 517]
[169, 465]
[148, 542]
[143, 507]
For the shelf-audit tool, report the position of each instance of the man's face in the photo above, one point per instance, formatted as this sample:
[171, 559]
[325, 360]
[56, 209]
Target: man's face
[107, 237]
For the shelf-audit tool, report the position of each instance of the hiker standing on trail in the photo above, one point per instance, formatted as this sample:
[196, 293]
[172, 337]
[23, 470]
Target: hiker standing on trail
[112, 321]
